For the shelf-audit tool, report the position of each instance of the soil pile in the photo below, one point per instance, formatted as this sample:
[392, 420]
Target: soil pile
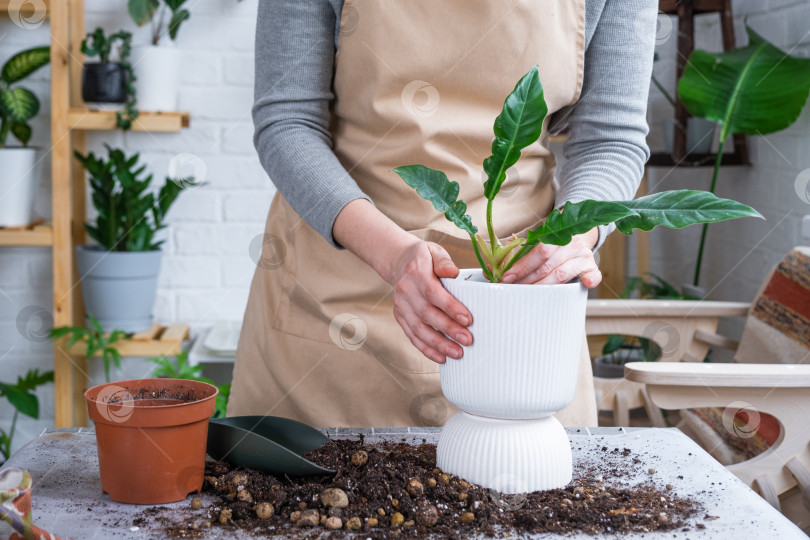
[395, 490]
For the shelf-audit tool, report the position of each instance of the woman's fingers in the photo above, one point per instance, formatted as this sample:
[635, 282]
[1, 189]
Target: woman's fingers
[571, 268]
[425, 310]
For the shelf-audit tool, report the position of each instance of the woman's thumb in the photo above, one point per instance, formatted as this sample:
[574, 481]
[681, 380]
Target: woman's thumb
[443, 265]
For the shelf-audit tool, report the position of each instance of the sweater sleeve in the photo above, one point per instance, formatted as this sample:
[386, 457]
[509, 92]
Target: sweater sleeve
[295, 52]
[607, 149]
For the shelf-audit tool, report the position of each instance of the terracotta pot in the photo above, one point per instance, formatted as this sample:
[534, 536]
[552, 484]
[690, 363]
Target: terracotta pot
[151, 436]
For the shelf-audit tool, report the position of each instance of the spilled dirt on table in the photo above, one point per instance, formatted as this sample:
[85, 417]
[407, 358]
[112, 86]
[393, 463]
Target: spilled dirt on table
[395, 490]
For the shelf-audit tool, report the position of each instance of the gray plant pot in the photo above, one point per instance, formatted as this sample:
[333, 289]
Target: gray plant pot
[118, 287]
[611, 366]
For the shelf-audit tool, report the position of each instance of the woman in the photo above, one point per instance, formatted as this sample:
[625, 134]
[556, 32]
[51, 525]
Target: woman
[347, 321]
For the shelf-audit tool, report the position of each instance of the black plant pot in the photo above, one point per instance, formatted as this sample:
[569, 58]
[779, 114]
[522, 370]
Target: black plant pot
[104, 82]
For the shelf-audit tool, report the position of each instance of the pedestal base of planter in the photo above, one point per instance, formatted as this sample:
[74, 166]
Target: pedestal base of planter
[508, 456]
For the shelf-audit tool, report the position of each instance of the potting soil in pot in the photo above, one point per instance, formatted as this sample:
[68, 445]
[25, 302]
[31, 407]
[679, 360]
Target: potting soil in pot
[394, 489]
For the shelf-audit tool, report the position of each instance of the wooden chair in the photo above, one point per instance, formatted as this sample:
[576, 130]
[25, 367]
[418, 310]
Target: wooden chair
[770, 378]
[683, 329]
[781, 473]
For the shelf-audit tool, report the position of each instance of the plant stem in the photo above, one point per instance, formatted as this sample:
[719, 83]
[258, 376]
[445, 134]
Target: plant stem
[490, 229]
[487, 273]
[11, 431]
[523, 251]
[663, 90]
[705, 227]
[4, 127]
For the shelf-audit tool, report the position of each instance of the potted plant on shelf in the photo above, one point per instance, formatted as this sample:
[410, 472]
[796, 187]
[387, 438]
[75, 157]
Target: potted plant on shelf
[22, 397]
[19, 178]
[157, 65]
[753, 90]
[119, 276]
[523, 364]
[151, 436]
[107, 82]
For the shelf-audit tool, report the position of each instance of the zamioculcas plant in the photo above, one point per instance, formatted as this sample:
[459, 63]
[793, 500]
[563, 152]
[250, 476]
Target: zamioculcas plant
[17, 104]
[170, 15]
[129, 214]
[519, 125]
[754, 90]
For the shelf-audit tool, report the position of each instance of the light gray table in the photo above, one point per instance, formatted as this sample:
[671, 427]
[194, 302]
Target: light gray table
[67, 498]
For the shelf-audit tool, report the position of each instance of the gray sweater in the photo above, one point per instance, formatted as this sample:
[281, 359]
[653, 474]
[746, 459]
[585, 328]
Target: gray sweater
[295, 54]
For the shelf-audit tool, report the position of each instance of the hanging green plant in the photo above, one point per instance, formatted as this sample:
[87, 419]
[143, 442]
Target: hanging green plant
[99, 44]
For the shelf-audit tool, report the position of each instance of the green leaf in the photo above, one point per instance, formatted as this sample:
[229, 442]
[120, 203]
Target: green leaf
[519, 125]
[434, 186]
[23, 401]
[19, 104]
[174, 5]
[753, 90]
[613, 344]
[177, 18]
[575, 218]
[680, 208]
[21, 131]
[141, 11]
[24, 63]
[33, 378]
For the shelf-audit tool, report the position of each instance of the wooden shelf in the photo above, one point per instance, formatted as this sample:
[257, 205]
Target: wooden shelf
[662, 159]
[35, 235]
[158, 341]
[670, 7]
[26, 9]
[147, 121]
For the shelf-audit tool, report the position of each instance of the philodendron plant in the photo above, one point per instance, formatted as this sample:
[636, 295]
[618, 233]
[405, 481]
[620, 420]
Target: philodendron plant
[519, 125]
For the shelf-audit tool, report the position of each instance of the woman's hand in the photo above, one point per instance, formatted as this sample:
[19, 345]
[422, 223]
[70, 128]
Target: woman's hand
[424, 309]
[546, 264]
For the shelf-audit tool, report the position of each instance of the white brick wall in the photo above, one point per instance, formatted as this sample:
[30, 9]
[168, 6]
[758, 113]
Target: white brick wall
[738, 253]
[207, 267]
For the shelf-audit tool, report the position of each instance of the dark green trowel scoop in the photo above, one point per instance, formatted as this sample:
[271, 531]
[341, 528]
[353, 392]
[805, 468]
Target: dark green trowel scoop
[265, 443]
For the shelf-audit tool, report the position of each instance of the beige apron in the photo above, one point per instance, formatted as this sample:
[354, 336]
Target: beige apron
[415, 82]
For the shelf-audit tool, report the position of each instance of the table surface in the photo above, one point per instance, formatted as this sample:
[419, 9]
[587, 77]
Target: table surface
[67, 497]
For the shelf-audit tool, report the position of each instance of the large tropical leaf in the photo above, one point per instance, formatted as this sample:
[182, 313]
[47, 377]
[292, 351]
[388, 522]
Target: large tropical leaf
[754, 90]
[141, 11]
[680, 208]
[24, 63]
[576, 218]
[519, 125]
[434, 186]
[18, 103]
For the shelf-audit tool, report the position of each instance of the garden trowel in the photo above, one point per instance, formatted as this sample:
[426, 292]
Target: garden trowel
[266, 443]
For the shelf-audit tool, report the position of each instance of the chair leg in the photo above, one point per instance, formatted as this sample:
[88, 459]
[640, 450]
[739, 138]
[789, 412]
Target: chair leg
[621, 414]
[653, 412]
[767, 491]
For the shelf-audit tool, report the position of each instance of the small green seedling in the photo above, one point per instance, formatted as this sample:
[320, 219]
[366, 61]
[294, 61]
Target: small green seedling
[519, 125]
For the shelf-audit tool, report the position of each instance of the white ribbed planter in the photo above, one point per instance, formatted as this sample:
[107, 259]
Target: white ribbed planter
[521, 368]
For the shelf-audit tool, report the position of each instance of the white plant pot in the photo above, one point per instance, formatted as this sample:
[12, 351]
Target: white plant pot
[157, 77]
[19, 182]
[521, 368]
